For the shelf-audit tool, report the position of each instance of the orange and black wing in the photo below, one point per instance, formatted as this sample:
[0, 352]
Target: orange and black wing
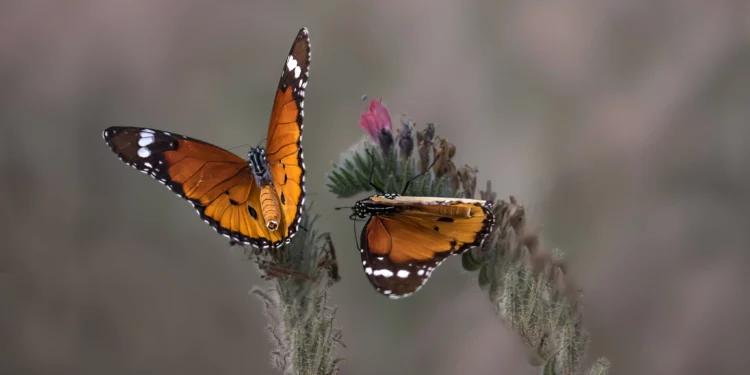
[215, 181]
[401, 249]
[284, 142]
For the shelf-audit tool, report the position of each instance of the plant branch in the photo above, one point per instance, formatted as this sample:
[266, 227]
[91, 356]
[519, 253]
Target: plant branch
[301, 323]
[527, 284]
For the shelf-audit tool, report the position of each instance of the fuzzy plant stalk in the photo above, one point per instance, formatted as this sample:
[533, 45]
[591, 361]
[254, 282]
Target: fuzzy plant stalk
[527, 284]
[531, 291]
[301, 322]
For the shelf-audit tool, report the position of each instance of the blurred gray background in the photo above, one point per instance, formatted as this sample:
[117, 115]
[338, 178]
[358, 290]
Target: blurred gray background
[622, 125]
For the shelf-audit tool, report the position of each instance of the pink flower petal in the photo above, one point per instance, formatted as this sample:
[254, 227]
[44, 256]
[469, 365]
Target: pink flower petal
[384, 118]
[368, 122]
[375, 119]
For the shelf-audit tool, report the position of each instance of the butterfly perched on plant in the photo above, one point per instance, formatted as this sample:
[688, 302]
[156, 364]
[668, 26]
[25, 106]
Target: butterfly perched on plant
[258, 201]
[406, 238]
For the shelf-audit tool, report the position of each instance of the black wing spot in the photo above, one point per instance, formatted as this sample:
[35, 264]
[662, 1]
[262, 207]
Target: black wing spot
[283, 199]
[445, 219]
[252, 212]
[436, 229]
[285, 178]
[233, 202]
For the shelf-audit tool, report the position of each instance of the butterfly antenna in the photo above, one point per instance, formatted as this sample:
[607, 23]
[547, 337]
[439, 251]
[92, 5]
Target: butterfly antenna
[261, 141]
[242, 145]
[418, 176]
[432, 141]
[340, 208]
[372, 173]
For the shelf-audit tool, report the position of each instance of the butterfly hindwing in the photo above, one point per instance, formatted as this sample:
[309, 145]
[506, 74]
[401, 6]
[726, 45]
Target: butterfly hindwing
[284, 142]
[215, 181]
[406, 238]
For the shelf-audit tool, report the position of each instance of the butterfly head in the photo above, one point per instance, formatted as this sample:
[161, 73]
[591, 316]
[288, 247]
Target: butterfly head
[258, 163]
[359, 210]
[367, 207]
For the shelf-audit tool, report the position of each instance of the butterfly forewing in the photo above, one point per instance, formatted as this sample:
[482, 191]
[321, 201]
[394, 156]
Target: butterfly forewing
[284, 142]
[215, 181]
[402, 246]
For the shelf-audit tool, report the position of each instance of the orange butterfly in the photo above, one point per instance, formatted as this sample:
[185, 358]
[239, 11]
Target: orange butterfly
[406, 238]
[258, 201]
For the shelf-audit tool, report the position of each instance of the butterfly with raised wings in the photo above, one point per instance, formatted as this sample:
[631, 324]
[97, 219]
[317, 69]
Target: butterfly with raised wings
[406, 238]
[258, 201]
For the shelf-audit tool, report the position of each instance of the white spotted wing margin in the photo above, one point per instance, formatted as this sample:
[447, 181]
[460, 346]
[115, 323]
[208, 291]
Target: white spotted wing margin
[404, 270]
[294, 74]
[143, 149]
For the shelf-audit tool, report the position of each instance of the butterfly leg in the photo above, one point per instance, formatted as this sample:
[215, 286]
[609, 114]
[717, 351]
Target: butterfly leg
[274, 271]
[278, 272]
[330, 260]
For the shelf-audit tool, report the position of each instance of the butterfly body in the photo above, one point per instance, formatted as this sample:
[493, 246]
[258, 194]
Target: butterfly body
[406, 238]
[258, 201]
[269, 201]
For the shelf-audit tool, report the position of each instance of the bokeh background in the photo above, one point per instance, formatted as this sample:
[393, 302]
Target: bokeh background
[622, 125]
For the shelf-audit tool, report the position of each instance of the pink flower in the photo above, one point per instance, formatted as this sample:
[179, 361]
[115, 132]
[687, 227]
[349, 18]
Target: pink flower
[375, 120]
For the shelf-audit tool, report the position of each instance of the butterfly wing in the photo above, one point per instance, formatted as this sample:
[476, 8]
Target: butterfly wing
[283, 145]
[401, 249]
[215, 181]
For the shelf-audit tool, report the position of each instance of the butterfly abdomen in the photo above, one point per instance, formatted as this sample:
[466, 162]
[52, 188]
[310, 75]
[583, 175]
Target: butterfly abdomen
[270, 207]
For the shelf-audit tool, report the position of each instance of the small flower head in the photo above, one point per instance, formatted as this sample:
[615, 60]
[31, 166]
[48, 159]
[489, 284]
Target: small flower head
[376, 121]
[468, 177]
[444, 152]
[405, 138]
[385, 140]
[424, 145]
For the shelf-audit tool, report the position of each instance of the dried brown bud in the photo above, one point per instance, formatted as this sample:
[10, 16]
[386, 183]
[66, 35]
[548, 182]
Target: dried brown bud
[424, 145]
[452, 174]
[444, 153]
[405, 138]
[427, 135]
[468, 177]
[385, 139]
[329, 260]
